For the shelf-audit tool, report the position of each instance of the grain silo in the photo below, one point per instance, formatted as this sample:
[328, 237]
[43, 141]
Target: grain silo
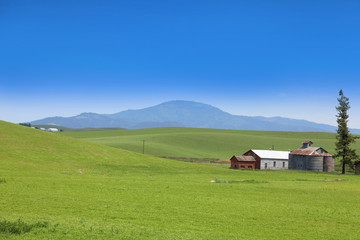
[311, 158]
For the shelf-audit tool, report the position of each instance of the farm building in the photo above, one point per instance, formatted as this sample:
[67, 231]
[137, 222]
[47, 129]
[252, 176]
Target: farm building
[53, 130]
[264, 159]
[311, 158]
[242, 162]
[357, 167]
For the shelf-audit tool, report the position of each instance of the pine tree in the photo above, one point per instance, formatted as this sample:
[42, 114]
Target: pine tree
[344, 137]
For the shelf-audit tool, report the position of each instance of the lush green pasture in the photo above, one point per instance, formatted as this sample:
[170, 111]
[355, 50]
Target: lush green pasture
[205, 143]
[82, 190]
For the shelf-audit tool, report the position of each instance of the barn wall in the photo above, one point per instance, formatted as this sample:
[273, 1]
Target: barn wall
[235, 164]
[258, 162]
[256, 157]
[357, 169]
[246, 165]
[270, 164]
[312, 163]
[315, 163]
[297, 162]
[329, 164]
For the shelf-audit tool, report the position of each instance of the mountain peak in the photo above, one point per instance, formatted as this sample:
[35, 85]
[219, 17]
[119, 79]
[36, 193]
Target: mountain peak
[184, 113]
[184, 103]
[85, 114]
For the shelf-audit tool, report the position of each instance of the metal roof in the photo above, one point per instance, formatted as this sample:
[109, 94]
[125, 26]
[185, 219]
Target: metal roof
[310, 151]
[245, 158]
[271, 154]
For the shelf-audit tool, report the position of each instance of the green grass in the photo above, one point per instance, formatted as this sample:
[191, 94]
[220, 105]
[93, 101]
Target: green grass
[83, 190]
[94, 129]
[205, 143]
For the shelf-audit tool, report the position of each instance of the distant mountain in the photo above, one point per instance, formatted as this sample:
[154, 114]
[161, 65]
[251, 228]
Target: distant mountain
[83, 120]
[186, 114]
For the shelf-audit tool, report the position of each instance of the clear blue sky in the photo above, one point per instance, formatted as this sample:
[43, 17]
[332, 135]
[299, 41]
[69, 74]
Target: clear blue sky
[269, 58]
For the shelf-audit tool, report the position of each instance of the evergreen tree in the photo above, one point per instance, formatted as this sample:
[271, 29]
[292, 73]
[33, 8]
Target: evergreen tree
[344, 137]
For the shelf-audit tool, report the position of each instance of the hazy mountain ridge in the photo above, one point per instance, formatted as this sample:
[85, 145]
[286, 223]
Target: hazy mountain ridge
[186, 114]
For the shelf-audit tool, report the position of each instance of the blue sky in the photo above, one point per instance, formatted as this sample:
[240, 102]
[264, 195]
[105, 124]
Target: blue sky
[256, 58]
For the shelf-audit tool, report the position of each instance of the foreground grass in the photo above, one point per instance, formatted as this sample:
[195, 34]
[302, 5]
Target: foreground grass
[81, 190]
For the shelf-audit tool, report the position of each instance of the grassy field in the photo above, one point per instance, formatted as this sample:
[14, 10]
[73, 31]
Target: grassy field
[56, 187]
[76, 129]
[205, 143]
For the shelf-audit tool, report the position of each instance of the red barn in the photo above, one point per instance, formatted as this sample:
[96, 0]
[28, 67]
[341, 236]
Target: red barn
[242, 162]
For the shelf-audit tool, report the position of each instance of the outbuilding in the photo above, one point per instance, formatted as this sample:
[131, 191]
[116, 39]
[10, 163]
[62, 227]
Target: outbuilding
[311, 158]
[53, 130]
[242, 162]
[357, 167]
[264, 159]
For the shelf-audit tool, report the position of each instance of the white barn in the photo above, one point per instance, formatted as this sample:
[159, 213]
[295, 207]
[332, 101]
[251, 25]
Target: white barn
[269, 159]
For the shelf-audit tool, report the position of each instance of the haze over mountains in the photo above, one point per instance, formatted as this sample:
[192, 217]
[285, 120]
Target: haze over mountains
[186, 114]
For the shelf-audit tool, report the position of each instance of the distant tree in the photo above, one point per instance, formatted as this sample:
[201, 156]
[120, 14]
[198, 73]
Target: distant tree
[25, 124]
[344, 137]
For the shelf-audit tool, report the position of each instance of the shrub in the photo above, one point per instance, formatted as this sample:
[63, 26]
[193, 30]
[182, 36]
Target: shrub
[221, 180]
[19, 226]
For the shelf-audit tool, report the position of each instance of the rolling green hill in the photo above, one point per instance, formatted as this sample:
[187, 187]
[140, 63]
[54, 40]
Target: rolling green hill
[205, 143]
[94, 129]
[56, 187]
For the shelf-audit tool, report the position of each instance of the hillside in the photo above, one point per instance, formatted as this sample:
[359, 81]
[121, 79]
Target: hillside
[205, 143]
[186, 114]
[56, 187]
[28, 148]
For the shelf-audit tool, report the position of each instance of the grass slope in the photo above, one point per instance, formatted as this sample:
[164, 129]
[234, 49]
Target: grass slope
[205, 143]
[94, 129]
[65, 188]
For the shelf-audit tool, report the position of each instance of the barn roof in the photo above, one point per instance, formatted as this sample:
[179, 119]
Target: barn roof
[245, 158]
[310, 151]
[306, 151]
[271, 154]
